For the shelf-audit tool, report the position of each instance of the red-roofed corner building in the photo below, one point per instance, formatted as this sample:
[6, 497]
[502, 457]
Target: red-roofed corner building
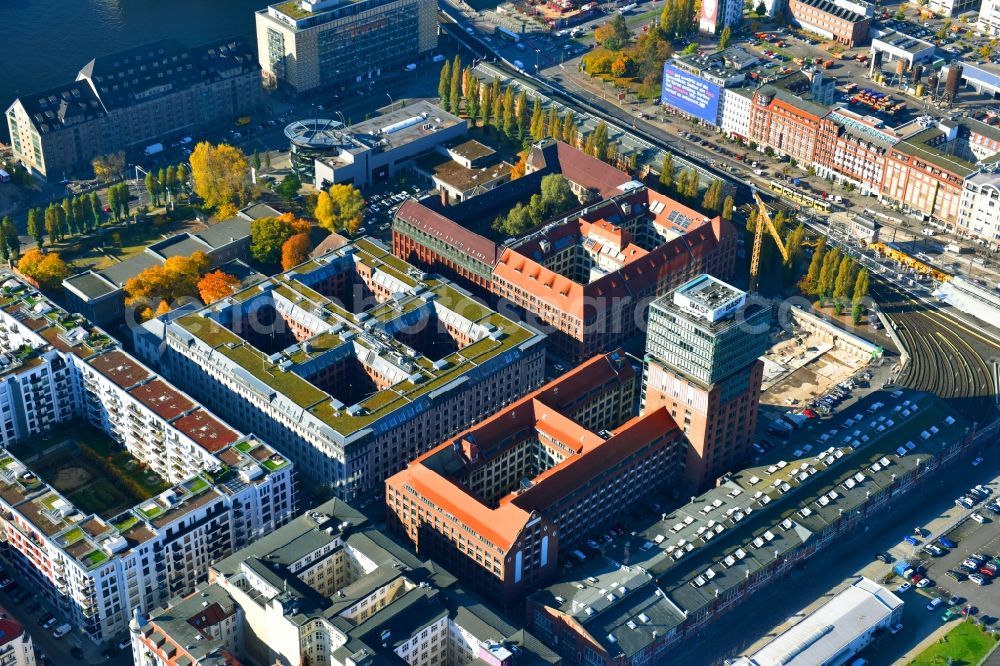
[497, 503]
[587, 280]
[15, 643]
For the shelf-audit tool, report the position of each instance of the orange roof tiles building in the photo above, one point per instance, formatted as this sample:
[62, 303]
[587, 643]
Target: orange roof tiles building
[495, 503]
[580, 278]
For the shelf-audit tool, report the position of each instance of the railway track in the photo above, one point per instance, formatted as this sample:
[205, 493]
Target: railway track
[947, 358]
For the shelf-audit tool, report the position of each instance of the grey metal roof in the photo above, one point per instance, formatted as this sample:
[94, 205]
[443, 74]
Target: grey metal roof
[223, 233]
[257, 211]
[163, 68]
[121, 273]
[181, 245]
[90, 285]
[823, 635]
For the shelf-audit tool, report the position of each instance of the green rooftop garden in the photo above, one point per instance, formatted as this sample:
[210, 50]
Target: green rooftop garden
[126, 523]
[71, 537]
[274, 465]
[150, 511]
[293, 9]
[94, 559]
[244, 446]
[196, 485]
[297, 389]
[208, 331]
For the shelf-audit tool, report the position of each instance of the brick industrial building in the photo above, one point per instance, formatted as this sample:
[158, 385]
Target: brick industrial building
[582, 278]
[702, 347]
[498, 503]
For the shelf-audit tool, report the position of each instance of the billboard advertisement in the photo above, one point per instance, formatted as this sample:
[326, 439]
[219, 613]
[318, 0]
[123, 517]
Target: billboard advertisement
[690, 94]
[709, 13]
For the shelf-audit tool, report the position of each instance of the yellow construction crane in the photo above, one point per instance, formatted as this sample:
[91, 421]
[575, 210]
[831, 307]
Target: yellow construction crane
[763, 218]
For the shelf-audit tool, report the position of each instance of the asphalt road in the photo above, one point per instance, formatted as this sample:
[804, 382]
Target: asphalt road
[56, 650]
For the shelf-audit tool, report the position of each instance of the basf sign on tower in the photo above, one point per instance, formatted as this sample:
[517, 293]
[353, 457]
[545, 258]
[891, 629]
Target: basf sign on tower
[690, 94]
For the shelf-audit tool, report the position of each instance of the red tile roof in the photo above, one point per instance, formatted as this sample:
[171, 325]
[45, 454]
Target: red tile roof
[641, 271]
[162, 398]
[9, 630]
[120, 368]
[542, 411]
[478, 247]
[206, 430]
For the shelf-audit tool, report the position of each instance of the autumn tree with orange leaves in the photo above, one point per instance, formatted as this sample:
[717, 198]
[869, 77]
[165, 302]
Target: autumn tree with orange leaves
[164, 285]
[47, 269]
[216, 285]
[295, 250]
[268, 235]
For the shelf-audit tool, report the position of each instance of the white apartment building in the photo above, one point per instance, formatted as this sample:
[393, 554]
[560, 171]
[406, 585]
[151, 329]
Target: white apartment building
[717, 14]
[734, 111]
[951, 7]
[329, 590]
[16, 648]
[217, 489]
[979, 210]
[989, 18]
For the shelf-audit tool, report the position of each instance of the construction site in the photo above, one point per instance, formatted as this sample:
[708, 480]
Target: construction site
[810, 359]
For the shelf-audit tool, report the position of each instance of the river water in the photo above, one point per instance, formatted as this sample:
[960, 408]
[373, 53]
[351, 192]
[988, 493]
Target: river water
[46, 42]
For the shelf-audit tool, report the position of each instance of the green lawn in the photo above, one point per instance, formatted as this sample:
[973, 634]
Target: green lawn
[965, 645]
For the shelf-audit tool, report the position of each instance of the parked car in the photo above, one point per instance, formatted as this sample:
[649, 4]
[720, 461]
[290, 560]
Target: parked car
[978, 579]
[896, 629]
[50, 621]
[979, 518]
[954, 601]
[913, 541]
[61, 630]
[924, 582]
[948, 616]
[904, 587]
[882, 557]
[5, 583]
[946, 542]
[935, 602]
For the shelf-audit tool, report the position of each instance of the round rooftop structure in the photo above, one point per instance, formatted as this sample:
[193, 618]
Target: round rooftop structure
[316, 133]
[312, 139]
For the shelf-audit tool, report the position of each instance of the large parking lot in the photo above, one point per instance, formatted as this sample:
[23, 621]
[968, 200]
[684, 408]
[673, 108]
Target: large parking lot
[970, 537]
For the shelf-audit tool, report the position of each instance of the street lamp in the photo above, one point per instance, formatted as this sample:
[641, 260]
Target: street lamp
[391, 103]
[537, 53]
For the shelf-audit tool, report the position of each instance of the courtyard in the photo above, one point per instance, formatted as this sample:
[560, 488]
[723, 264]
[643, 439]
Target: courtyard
[92, 471]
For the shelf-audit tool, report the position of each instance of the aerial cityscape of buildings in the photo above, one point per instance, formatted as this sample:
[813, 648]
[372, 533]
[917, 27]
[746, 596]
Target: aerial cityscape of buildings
[537, 333]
